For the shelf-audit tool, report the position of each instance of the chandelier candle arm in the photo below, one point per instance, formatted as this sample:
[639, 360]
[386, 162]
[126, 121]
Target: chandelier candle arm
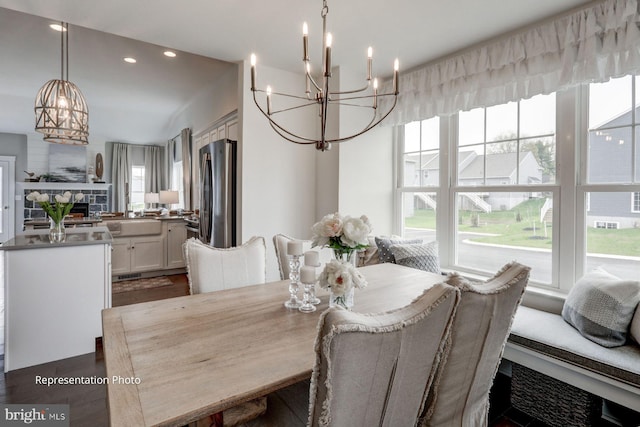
[253, 72]
[369, 62]
[305, 42]
[327, 56]
[396, 67]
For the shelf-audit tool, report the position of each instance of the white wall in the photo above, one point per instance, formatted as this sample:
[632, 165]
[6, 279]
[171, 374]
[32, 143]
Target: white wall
[364, 164]
[208, 106]
[38, 152]
[277, 177]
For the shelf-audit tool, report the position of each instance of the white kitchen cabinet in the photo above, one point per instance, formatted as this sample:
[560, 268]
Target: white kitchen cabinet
[120, 257]
[137, 254]
[176, 236]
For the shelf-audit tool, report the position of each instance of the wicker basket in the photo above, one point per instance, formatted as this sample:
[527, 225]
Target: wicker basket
[556, 403]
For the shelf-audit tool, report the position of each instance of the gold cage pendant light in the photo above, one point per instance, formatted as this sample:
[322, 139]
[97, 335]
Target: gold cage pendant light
[61, 112]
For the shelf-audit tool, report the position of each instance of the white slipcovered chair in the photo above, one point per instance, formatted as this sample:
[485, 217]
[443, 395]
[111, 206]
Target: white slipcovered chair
[376, 369]
[460, 395]
[213, 269]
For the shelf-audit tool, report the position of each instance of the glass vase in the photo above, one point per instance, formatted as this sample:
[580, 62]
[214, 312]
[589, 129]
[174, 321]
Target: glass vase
[347, 256]
[344, 300]
[57, 232]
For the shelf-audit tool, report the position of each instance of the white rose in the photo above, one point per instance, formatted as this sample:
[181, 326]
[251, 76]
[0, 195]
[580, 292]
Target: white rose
[33, 196]
[356, 232]
[329, 226]
[42, 198]
[341, 277]
[78, 197]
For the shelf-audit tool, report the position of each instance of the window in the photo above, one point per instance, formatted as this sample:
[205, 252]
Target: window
[613, 168]
[510, 146]
[608, 225]
[136, 193]
[501, 180]
[420, 178]
[176, 182]
[635, 202]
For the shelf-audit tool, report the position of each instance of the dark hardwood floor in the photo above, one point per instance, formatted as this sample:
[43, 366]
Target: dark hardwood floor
[88, 401]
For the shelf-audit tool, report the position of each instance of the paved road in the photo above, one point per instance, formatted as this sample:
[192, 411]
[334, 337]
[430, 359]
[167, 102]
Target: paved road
[491, 258]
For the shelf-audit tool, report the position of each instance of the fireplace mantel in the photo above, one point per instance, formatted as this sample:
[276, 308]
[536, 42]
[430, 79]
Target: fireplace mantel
[20, 186]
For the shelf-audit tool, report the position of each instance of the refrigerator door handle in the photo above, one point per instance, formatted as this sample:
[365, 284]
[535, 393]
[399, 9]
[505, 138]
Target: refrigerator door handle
[206, 199]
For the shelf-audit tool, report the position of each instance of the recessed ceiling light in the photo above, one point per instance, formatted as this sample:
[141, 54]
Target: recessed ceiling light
[130, 60]
[169, 53]
[57, 27]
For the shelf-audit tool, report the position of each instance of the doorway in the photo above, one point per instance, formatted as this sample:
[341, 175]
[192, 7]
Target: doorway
[7, 198]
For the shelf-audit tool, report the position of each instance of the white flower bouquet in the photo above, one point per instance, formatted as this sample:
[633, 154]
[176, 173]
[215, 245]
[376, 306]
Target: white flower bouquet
[341, 278]
[60, 208]
[342, 234]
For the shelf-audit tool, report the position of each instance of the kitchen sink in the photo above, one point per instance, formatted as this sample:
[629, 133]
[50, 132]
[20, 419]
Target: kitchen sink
[136, 227]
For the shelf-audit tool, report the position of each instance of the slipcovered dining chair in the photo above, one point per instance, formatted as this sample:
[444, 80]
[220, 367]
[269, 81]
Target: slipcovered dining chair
[375, 369]
[460, 395]
[213, 269]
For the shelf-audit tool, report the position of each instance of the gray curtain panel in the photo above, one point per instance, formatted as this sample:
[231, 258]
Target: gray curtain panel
[154, 169]
[171, 157]
[185, 137]
[120, 175]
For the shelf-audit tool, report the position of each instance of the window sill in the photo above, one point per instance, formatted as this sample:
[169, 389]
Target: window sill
[535, 297]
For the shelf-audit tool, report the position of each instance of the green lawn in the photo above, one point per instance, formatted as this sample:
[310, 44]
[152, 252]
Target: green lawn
[505, 229]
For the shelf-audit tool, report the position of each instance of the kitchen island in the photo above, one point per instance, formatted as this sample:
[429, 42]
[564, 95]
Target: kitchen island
[54, 294]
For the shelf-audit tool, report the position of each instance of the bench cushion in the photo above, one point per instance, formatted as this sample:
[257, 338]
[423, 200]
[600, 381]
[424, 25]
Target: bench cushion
[549, 334]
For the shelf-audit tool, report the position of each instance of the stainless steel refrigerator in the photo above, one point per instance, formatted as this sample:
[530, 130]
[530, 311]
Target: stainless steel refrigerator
[218, 162]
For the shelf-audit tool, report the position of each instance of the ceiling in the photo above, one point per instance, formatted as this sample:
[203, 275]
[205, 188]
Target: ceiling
[135, 103]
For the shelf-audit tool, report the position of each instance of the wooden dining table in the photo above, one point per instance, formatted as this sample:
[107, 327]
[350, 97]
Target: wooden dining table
[177, 360]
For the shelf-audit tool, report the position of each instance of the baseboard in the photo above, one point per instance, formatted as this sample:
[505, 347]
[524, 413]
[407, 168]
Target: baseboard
[147, 274]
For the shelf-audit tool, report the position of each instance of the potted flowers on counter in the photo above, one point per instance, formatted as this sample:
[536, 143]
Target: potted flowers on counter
[56, 211]
[345, 235]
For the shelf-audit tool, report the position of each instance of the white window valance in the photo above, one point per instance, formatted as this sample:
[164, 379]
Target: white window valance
[589, 45]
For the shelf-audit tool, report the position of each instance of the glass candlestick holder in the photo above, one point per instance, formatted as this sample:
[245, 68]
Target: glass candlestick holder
[307, 306]
[313, 298]
[294, 281]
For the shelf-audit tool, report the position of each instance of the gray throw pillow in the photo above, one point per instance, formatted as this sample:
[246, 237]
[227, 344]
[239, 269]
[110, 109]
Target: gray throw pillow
[600, 306]
[384, 247]
[423, 256]
[634, 329]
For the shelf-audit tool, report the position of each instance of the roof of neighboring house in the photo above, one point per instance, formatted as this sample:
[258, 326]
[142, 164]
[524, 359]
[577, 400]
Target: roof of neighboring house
[499, 165]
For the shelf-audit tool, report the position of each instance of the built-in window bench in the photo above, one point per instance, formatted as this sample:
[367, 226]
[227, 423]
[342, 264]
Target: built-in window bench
[544, 343]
